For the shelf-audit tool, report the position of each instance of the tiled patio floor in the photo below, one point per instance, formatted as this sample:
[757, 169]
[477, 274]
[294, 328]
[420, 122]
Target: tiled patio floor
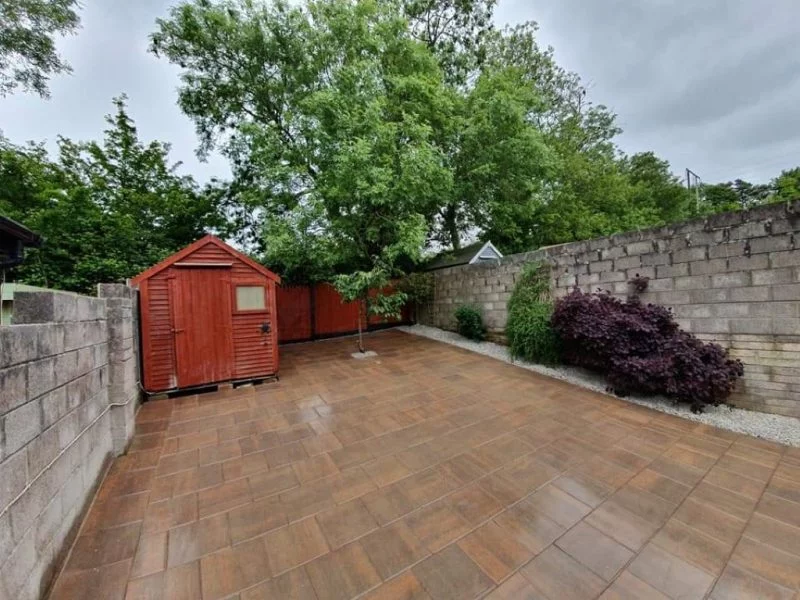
[432, 472]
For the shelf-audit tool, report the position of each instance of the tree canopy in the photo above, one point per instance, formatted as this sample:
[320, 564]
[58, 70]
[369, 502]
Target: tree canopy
[28, 54]
[106, 210]
[361, 134]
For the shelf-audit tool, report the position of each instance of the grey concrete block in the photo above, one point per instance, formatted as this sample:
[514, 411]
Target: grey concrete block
[42, 450]
[601, 266]
[690, 254]
[751, 326]
[644, 247]
[708, 267]
[673, 298]
[628, 262]
[786, 326]
[612, 276]
[787, 310]
[738, 279]
[15, 572]
[13, 388]
[710, 325]
[750, 229]
[28, 506]
[18, 344]
[612, 253]
[773, 276]
[6, 541]
[45, 307]
[649, 272]
[68, 429]
[692, 282]
[785, 259]
[730, 310]
[748, 263]
[694, 311]
[13, 478]
[775, 243]
[727, 250]
[41, 376]
[750, 294]
[592, 279]
[50, 339]
[48, 523]
[786, 292]
[679, 270]
[65, 368]
[54, 406]
[728, 219]
[662, 258]
[661, 285]
[21, 425]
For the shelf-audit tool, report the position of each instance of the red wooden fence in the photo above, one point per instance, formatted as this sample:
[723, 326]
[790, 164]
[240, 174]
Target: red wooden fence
[308, 312]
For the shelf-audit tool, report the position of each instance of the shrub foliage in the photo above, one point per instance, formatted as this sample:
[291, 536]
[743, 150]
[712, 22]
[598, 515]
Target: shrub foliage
[641, 350]
[529, 332]
[470, 322]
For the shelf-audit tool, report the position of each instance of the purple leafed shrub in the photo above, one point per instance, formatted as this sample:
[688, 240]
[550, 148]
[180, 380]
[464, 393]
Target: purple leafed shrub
[641, 350]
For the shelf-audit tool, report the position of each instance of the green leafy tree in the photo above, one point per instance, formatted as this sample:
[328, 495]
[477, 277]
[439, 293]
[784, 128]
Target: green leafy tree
[28, 56]
[504, 164]
[787, 185]
[329, 110]
[455, 31]
[365, 288]
[106, 210]
[657, 189]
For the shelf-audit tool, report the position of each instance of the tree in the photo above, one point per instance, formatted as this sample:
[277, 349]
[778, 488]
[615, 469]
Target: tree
[656, 189]
[504, 164]
[28, 56]
[106, 210]
[328, 109]
[736, 195]
[366, 288]
[455, 31]
[787, 185]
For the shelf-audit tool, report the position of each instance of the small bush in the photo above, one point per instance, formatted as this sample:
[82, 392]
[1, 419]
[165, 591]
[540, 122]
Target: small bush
[641, 350]
[470, 323]
[529, 333]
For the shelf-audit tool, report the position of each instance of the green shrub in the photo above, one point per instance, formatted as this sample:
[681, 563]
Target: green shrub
[529, 333]
[470, 323]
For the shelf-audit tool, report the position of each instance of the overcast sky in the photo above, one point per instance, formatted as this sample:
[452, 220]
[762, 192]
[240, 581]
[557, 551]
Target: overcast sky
[712, 85]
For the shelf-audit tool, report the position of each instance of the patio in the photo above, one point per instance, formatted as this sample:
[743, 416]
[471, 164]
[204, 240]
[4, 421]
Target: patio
[434, 473]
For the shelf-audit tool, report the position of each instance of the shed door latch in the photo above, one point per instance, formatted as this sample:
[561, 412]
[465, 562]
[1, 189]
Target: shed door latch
[266, 327]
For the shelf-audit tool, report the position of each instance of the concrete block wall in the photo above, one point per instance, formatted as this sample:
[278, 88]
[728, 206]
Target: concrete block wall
[68, 392]
[733, 278]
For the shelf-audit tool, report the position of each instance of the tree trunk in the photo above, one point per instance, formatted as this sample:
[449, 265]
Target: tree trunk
[451, 226]
[360, 330]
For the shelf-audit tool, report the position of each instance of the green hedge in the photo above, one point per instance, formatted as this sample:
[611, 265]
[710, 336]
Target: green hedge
[470, 323]
[528, 330]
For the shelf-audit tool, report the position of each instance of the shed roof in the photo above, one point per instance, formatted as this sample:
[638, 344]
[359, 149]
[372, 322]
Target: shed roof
[20, 232]
[466, 256]
[209, 239]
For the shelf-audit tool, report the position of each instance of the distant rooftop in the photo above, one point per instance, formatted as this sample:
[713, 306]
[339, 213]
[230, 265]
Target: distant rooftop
[477, 252]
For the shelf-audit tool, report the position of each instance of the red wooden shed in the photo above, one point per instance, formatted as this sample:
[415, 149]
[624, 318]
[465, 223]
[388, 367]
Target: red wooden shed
[208, 315]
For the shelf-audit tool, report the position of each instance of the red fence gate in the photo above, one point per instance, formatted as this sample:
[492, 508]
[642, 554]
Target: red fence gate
[309, 312]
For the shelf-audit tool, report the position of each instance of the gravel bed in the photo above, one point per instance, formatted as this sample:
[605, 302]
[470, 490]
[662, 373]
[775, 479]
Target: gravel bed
[776, 428]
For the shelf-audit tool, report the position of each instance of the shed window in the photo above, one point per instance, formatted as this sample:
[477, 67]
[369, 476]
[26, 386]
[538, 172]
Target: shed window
[250, 297]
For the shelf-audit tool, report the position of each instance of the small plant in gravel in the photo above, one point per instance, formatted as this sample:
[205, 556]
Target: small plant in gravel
[528, 330]
[641, 350]
[470, 322]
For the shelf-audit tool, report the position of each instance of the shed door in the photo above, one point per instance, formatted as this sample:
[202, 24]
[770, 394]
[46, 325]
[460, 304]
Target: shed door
[203, 329]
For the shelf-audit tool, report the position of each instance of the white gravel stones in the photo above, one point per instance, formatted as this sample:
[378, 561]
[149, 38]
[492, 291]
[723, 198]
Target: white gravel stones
[776, 428]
